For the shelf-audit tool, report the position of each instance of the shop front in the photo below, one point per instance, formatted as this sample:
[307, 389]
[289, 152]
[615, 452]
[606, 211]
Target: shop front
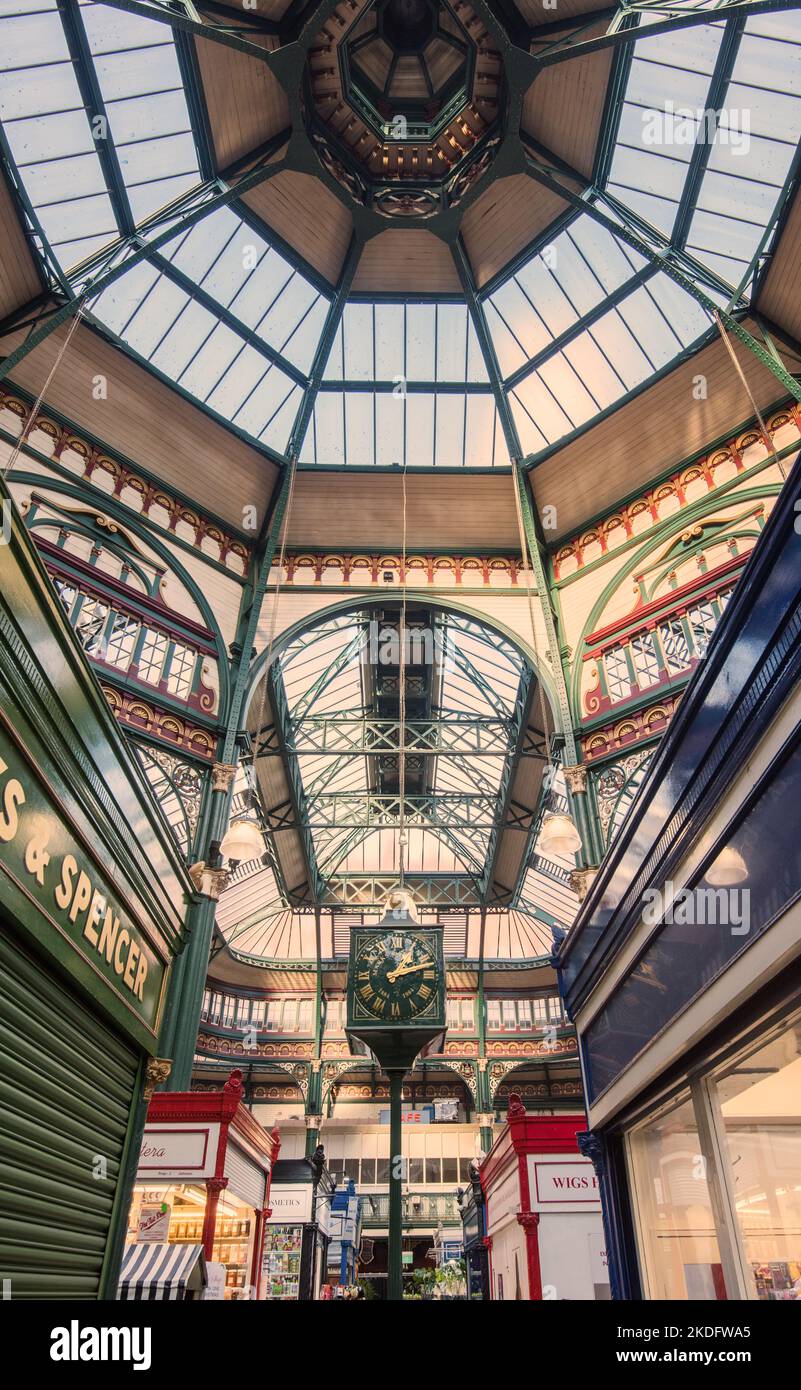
[92, 901]
[544, 1223]
[473, 1211]
[346, 1230]
[203, 1182]
[298, 1230]
[683, 971]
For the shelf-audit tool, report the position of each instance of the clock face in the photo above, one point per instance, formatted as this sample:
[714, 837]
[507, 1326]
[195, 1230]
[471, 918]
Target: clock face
[396, 977]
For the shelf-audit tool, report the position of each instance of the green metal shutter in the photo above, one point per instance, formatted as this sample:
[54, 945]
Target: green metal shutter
[66, 1088]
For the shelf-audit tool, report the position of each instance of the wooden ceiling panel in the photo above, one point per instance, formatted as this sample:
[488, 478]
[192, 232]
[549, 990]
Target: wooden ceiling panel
[650, 434]
[148, 423]
[19, 278]
[358, 510]
[405, 260]
[563, 107]
[504, 220]
[246, 104]
[308, 216]
[779, 299]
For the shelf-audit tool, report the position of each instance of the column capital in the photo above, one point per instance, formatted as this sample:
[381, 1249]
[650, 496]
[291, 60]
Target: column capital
[581, 881]
[313, 1121]
[214, 1186]
[529, 1220]
[576, 777]
[222, 775]
[209, 882]
[157, 1069]
[486, 1120]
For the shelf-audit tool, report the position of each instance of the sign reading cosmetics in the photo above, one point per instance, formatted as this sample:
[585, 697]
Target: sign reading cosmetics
[563, 1183]
[290, 1205]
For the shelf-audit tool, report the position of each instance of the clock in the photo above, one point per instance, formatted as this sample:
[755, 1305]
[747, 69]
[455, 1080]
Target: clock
[396, 988]
[396, 977]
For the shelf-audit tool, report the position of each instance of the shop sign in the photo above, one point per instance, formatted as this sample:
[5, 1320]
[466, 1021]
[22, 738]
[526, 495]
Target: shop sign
[44, 860]
[215, 1277]
[177, 1152]
[563, 1182]
[323, 1215]
[290, 1204]
[154, 1223]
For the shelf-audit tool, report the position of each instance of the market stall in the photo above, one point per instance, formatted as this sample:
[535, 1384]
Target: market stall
[204, 1180]
[473, 1211]
[543, 1211]
[346, 1228]
[298, 1229]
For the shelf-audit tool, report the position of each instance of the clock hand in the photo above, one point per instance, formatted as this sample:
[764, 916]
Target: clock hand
[407, 970]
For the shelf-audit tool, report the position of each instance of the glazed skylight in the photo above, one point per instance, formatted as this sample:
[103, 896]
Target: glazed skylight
[405, 383]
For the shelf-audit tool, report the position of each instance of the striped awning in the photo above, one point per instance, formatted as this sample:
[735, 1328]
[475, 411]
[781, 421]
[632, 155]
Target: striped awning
[151, 1271]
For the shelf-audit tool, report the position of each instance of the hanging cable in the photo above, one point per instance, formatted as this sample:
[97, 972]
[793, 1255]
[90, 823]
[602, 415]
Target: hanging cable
[528, 565]
[402, 706]
[37, 405]
[768, 438]
[293, 466]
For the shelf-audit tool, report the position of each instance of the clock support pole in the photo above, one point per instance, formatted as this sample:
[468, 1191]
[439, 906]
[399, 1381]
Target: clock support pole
[395, 1255]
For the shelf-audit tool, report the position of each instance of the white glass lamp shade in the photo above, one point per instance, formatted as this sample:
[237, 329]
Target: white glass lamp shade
[729, 868]
[559, 836]
[242, 841]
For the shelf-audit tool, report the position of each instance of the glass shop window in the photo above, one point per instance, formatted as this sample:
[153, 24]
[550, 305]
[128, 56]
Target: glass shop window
[257, 1013]
[368, 1170]
[678, 1241]
[675, 646]
[182, 666]
[305, 1024]
[242, 1011]
[467, 1015]
[760, 1106]
[151, 657]
[122, 640]
[382, 1170]
[227, 1011]
[450, 1170]
[494, 1014]
[350, 1167]
[555, 1010]
[618, 676]
[289, 1021]
[540, 1007]
[89, 625]
[646, 664]
[273, 1022]
[416, 1171]
[524, 1015]
[433, 1170]
[509, 1014]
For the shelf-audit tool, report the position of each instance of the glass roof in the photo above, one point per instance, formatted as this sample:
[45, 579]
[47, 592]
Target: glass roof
[100, 127]
[331, 671]
[405, 384]
[465, 701]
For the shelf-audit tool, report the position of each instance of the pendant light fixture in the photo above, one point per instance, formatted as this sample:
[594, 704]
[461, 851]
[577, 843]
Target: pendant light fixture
[559, 836]
[242, 841]
[728, 869]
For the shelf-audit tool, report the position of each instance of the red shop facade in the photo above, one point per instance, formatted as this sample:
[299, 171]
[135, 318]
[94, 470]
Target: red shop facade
[203, 1178]
[543, 1212]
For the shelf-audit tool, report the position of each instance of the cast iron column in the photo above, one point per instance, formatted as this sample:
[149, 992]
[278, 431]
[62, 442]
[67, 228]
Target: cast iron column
[395, 1258]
